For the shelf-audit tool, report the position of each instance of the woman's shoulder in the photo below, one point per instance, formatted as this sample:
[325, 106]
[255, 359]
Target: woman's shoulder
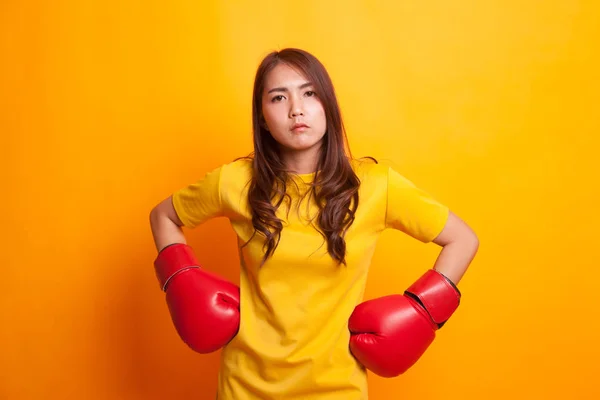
[369, 168]
[239, 165]
[237, 171]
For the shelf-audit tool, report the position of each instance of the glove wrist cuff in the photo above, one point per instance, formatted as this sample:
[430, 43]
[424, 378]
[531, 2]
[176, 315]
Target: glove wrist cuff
[437, 294]
[172, 260]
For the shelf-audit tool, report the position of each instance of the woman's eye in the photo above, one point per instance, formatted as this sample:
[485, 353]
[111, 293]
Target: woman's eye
[276, 98]
[311, 93]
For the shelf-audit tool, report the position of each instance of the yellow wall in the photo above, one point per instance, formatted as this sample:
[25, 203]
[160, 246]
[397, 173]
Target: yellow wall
[108, 108]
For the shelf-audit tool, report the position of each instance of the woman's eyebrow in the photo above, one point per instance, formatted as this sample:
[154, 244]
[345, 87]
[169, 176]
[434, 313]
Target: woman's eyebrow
[284, 89]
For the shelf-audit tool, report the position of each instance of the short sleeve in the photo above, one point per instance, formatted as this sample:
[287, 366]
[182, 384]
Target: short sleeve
[412, 210]
[200, 201]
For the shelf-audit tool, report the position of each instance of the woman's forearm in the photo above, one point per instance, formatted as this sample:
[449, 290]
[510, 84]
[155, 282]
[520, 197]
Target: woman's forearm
[455, 257]
[164, 230]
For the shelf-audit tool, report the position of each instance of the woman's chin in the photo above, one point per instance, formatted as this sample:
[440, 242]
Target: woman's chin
[299, 147]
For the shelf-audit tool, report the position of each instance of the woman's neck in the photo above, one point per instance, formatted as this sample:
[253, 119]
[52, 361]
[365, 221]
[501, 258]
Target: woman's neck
[302, 162]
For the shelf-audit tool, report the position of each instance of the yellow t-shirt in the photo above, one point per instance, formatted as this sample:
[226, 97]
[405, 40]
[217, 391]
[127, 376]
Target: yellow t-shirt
[293, 341]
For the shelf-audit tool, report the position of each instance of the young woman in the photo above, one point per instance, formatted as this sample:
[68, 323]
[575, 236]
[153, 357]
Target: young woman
[307, 216]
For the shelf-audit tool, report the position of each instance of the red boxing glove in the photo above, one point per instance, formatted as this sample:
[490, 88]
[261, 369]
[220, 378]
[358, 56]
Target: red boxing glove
[391, 333]
[205, 308]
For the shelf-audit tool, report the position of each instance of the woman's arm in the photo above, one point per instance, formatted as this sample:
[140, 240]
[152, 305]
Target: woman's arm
[459, 246]
[166, 225]
[389, 334]
[204, 308]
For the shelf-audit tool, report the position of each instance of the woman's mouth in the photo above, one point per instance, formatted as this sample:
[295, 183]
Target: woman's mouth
[300, 127]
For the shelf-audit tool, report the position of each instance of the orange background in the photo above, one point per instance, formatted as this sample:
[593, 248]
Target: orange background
[108, 107]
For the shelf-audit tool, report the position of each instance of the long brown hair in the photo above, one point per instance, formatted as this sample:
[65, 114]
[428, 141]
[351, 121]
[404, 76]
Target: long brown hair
[335, 186]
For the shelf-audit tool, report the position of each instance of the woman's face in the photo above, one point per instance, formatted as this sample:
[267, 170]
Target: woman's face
[287, 101]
